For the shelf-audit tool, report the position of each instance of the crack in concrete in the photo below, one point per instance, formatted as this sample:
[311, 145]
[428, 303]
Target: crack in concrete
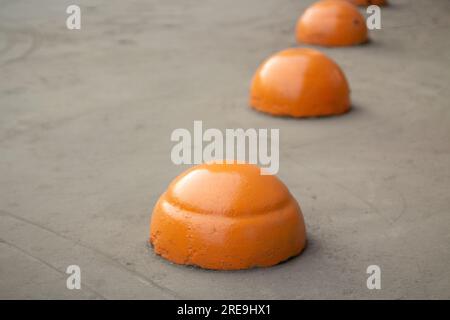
[49, 265]
[137, 275]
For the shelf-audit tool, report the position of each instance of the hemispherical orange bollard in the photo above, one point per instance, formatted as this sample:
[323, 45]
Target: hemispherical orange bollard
[368, 2]
[332, 23]
[227, 217]
[300, 82]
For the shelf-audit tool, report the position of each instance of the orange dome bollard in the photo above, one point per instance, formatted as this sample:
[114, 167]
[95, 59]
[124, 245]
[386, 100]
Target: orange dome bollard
[368, 2]
[300, 82]
[332, 23]
[227, 217]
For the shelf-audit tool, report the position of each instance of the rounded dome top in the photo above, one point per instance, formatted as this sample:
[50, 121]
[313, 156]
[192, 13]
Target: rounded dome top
[228, 190]
[300, 82]
[332, 23]
[227, 217]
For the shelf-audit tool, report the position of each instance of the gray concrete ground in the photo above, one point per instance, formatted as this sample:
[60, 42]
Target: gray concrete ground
[85, 123]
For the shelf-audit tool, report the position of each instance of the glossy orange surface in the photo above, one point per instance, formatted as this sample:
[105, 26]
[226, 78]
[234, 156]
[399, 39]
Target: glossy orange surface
[368, 2]
[227, 217]
[300, 82]
[331, 23]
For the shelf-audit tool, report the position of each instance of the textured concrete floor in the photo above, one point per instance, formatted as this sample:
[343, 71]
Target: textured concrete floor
[85, 123]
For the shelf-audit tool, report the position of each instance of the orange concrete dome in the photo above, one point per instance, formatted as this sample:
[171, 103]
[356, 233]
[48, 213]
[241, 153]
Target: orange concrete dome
[368, 2]
[332, 23]
[227, 217]
[300, 82]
